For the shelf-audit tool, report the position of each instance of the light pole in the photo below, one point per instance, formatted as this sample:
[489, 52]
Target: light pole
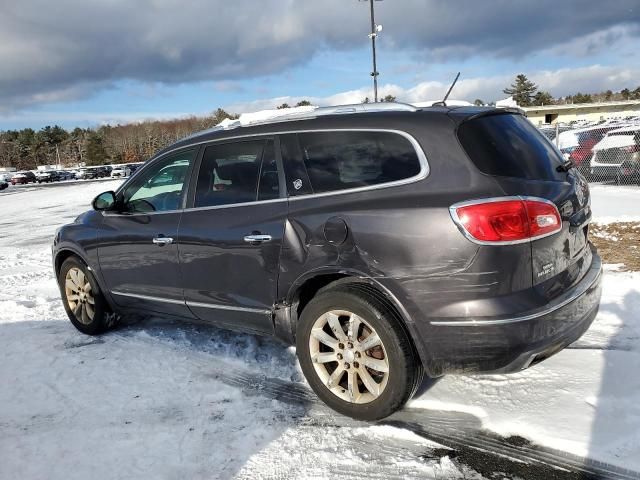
[375, 29]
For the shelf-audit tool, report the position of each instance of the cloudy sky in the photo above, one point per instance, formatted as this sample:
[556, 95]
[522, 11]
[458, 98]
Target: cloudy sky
[84, 63]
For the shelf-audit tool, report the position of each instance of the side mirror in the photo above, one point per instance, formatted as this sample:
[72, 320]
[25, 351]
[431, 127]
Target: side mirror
[104, 201]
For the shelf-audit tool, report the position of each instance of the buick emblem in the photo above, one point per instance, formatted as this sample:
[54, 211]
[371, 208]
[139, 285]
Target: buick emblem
[297, 184]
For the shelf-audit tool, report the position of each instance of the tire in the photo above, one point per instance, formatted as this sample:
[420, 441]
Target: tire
[103, 318]
[391, 389]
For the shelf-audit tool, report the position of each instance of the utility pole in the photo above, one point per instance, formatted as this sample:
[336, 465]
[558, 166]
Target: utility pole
[375, 29]
[58, 164]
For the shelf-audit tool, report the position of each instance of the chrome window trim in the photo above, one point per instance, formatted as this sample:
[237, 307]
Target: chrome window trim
[231, 205]
[191, 304]
[422, 159]
[191, 209]
[471, 238]
[595, 272]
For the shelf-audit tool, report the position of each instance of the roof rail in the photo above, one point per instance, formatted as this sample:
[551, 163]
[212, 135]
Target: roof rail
[305, 113]
[366, 107]
[274, 116]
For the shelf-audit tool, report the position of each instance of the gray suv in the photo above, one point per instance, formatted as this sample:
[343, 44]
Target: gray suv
[385, 241]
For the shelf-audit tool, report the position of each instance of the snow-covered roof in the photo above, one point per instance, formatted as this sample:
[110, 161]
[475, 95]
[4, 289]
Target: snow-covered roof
[311, 111]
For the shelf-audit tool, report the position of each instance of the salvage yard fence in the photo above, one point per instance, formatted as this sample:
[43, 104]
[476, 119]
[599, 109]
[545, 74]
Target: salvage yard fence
[605, 152]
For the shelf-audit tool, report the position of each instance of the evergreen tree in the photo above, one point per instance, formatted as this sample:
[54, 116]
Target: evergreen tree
[582, 98]
[96, 152]
[522, 90]
[543, 98]
[478, 102]
[303, 103]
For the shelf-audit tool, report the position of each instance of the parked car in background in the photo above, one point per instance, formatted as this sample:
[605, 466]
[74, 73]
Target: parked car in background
[23, 177]
[47, 176]
[65, 175]
[120, 172]
[86, 173]
[103, 172]
[6, 177]
[577, 145]
[356, 237]
[628, 172]
[549, 130]
[617, 147]
[134, 167]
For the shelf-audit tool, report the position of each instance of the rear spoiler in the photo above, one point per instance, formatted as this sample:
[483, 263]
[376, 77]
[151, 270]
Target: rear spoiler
[461, 116]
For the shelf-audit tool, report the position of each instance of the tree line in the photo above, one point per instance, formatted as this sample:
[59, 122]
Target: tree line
[133, 142]
[526, 94]
[136, 142]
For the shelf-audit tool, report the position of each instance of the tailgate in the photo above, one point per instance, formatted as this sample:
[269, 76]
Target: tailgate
[524, 163]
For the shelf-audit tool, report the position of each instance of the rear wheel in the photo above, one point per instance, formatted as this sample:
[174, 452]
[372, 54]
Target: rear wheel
[83, 301]
[355, 354]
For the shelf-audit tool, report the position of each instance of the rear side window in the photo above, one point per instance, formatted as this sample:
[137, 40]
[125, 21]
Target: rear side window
[341, 160]
[231, 173]
[510, 146]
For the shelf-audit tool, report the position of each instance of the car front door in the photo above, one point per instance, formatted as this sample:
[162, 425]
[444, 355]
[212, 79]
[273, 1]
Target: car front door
[230, 236]
[138, 250]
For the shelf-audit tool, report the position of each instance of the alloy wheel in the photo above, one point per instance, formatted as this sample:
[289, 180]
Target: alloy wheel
[79, 295]
[349, 356]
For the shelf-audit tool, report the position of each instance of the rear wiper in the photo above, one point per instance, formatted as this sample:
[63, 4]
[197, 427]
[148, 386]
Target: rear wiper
[566, 166]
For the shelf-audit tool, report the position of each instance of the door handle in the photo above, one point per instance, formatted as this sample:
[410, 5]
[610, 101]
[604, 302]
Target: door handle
[257, 238]
[162, 240]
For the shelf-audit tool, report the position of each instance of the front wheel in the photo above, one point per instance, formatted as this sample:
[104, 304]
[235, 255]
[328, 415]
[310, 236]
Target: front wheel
[83, 301]
[356, 355]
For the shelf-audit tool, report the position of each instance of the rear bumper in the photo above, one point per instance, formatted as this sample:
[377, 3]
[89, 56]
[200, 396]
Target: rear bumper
[503, 345]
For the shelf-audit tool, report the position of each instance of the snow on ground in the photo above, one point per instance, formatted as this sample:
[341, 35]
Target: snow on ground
[164, 399]
[615, 203]
[584, 400]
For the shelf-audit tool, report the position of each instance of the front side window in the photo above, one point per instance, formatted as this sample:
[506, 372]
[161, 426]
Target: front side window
[161, 187]
[235, 173]
[341, 160]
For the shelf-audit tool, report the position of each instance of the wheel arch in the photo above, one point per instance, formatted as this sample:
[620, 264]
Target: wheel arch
[64, 253]
[305, 287]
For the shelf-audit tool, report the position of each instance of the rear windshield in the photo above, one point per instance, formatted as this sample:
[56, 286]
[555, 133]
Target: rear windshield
[510, 146]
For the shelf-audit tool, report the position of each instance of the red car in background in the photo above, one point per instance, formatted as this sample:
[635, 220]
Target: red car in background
[23, 177]
[577, 145]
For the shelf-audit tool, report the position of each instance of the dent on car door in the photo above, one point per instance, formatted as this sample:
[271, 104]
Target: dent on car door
[137, 249]
[230, 239]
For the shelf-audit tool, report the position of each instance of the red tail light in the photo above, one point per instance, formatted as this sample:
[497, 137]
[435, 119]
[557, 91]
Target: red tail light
[507, 220]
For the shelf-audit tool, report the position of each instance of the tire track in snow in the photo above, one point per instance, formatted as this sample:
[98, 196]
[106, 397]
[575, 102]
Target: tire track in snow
[474, 446]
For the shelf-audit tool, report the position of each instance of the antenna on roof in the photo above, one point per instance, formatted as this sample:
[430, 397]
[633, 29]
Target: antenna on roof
[444, 100]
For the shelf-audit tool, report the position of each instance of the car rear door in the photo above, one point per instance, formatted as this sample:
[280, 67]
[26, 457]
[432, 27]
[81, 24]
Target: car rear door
[525, 163]
[137, 248]
[230, 237]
